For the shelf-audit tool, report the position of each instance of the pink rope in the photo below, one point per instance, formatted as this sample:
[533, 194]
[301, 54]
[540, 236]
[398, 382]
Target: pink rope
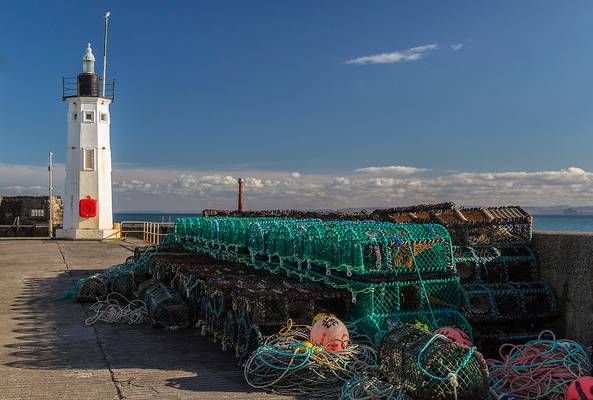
[540, 369]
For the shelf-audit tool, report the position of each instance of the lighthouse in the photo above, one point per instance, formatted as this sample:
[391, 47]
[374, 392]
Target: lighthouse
[88, 212]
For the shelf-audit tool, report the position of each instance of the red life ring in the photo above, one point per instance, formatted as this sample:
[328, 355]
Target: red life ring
[88, 207]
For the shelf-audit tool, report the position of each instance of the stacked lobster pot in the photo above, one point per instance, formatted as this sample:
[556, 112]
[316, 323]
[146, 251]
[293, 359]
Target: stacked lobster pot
[502, 295]
[238, 305]
[501, 292]
[393, 273]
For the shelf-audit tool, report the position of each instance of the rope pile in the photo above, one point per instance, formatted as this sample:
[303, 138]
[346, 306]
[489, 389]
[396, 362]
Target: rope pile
[112, 312]
[288, 364]
[540, 369]
[371, 388]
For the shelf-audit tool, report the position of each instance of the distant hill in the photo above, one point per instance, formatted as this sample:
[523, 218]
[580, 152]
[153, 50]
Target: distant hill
[560, 210]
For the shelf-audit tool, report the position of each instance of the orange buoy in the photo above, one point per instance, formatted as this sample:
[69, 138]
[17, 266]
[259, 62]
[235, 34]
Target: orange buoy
[331, 333]
[580, 389]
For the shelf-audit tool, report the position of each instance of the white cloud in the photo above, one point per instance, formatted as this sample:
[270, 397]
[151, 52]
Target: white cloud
[456, 46]
[27, 179]
[413, 54]
[390, 169]
[138, 188]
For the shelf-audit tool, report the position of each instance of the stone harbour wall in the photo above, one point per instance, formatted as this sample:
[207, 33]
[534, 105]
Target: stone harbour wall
[566, 262]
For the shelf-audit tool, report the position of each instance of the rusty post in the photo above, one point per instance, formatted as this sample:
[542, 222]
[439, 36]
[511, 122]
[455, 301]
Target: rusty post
[240, 202]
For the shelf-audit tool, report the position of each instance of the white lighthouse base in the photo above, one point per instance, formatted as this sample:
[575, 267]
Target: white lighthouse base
[87, 234]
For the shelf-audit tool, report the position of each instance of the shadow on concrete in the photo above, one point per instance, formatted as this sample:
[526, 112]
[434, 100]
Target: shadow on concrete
[52, 335]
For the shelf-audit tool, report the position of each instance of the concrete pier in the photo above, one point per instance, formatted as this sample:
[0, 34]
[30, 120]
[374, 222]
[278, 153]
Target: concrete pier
[47, 351]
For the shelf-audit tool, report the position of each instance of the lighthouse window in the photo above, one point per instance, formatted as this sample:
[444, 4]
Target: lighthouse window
[88, 159]
[74, 116]
[89, 116]
[103, 117]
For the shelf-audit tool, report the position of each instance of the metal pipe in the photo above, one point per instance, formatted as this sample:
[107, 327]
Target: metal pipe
[51, 195]
[106, 15]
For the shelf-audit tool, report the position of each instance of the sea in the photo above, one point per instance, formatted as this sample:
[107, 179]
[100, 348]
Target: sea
[576, 223]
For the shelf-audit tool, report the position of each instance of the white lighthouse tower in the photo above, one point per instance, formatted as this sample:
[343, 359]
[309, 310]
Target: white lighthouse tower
[87, 197]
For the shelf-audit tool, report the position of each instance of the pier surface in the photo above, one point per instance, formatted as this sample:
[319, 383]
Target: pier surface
[47, 351]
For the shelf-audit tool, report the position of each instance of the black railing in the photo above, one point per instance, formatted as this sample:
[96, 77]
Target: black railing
[71, 88]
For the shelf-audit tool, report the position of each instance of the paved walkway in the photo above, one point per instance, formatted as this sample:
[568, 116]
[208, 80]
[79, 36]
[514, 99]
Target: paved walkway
[47, 352]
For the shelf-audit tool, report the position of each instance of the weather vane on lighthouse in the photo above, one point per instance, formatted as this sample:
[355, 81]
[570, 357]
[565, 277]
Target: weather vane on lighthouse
[88, 212]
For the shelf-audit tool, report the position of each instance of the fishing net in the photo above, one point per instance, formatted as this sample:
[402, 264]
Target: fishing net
[121, 278]
[288, 364]
[431, 366]
[364, 387]
[118, 309]
[516, 301]
[495, 263]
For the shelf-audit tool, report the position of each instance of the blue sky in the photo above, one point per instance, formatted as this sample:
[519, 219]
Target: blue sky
[264, 89]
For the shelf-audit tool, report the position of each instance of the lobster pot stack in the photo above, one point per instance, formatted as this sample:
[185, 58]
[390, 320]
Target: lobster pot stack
[502, 295]
[498, 272]
[389, 270]
[237, 304]
[123, 279]
[432, 367]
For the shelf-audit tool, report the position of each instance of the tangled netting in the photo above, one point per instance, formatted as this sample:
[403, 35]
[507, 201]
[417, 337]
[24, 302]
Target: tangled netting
[432, 367]
[287, 363]
[540, 369]
[116, 309]
[371, 388]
